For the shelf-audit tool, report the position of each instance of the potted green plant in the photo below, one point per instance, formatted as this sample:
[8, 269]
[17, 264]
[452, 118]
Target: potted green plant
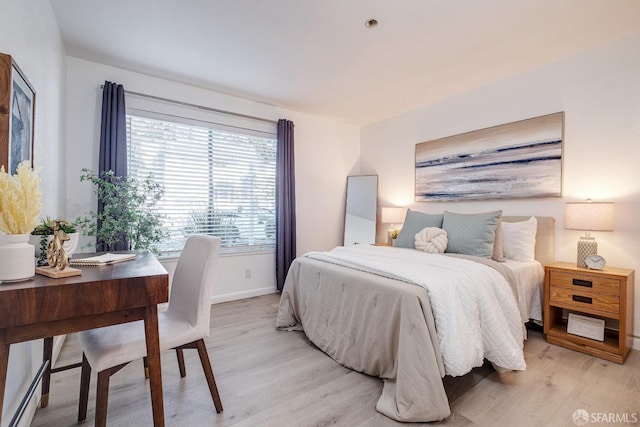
[43, 233]
[130, 218]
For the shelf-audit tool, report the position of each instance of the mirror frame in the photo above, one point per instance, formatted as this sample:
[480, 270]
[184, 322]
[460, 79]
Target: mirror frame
[369, 239]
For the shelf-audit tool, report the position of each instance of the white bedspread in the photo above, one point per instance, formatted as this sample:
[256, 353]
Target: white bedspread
[475, 311]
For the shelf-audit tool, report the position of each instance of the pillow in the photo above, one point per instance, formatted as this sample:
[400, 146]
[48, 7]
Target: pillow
[431, 240]
[471, 234]
[519, 239]
[498, 253]
[414, 222]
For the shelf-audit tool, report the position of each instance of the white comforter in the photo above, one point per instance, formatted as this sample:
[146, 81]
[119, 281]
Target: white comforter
[475, 310]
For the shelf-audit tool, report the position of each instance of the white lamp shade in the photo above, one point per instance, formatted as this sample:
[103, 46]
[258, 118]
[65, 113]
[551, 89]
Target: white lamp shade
[589, 216]
[391, 215]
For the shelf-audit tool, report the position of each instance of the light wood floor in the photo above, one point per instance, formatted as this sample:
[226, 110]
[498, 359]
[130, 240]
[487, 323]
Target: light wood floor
[272, 378]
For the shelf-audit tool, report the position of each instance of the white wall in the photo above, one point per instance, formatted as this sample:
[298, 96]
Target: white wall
[325, 153]
[29, 33]
[599, 91]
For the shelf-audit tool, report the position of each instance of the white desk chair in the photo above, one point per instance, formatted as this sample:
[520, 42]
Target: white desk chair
[183, 325]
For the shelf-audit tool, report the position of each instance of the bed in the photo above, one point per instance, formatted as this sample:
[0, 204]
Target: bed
[382, 321]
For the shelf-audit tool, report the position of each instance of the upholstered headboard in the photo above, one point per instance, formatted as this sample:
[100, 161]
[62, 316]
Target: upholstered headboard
[544, 237]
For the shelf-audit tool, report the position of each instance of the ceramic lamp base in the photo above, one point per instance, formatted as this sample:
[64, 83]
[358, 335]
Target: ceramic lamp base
[586, 246]
[392, 234]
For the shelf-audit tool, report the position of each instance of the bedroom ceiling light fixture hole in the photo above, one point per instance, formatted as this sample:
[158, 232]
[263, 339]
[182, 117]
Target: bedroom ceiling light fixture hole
[371, 23]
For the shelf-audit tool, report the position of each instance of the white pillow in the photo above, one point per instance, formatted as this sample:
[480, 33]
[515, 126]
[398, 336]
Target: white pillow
[431, 240]
[519, 239]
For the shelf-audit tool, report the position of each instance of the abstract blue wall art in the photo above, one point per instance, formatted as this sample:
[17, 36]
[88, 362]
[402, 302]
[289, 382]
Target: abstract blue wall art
[17, 108]
[513, 161]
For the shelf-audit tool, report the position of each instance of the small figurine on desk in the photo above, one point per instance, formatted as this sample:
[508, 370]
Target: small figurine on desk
[56, 255]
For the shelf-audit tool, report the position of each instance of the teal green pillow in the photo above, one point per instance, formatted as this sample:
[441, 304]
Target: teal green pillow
[471, 234]
[414, 222]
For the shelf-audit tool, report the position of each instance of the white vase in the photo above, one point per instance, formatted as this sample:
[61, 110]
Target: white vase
[16, 258]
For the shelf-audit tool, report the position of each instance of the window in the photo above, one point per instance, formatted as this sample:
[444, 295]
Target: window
[218, 179]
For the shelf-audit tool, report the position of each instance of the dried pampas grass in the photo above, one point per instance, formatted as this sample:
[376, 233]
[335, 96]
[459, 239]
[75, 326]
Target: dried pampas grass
[20, 200]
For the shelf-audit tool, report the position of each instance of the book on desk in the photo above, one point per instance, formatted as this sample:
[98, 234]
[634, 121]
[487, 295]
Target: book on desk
[104, 259]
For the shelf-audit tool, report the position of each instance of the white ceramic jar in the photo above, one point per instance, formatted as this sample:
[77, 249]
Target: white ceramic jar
[16, 258]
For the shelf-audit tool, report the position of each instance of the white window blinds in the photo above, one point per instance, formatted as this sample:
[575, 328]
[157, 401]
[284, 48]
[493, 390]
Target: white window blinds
[218, 180]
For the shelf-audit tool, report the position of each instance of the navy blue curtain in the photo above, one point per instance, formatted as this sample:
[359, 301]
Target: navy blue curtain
[285, 202]
[113, 143]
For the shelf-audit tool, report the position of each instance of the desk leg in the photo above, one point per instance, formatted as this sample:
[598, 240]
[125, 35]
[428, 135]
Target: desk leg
[4, 361]
[47, 354]
[153, 359]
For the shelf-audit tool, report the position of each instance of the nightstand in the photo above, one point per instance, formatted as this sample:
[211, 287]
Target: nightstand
[604, 294]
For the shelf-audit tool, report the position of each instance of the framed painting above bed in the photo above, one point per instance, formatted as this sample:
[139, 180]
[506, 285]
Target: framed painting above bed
[512, 161]
[17, 108]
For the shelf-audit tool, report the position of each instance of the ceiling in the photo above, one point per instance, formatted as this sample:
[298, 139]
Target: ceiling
[317, 56]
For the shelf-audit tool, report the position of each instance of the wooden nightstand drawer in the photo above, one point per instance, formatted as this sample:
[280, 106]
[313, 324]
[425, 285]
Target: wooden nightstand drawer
[568, 298]
[585, 282]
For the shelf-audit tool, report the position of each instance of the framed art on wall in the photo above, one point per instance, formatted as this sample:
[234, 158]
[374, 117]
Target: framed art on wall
[516, 160]
[17, 109]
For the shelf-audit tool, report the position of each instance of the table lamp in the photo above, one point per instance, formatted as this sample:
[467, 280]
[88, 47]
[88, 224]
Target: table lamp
[393, 216]
[588, 216]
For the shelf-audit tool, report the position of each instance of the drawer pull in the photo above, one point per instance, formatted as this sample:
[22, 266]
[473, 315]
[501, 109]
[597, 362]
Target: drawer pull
[579, 298]
[585, 283]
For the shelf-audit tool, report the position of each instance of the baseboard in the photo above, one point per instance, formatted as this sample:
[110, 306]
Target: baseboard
[636, 343]
[233, 296]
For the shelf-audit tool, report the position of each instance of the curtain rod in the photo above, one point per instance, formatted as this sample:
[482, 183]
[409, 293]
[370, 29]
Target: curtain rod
[199, 107]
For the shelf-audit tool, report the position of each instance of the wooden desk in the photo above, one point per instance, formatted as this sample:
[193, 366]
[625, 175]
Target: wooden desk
[101, 296]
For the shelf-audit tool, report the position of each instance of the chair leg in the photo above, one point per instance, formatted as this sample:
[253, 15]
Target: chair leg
[145, 363]
[180, 356]
[85, 379]
[47, 351]
[102, 398]
[208, 373]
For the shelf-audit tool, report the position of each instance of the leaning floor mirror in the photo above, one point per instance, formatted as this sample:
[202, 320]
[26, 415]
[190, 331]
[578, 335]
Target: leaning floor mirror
[361, 208]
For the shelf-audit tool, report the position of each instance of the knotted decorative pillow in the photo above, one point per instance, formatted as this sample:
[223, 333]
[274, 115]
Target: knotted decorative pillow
[432, 240]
